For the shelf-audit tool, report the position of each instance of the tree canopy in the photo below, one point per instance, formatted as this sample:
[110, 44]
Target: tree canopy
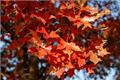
[60, 34]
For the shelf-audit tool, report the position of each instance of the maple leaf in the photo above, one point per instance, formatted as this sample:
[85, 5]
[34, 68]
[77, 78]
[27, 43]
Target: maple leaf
[59, 52]
[39, 18]
[88, 19]
[53, 34]
[69, 66]
[71, 5]
[81, 2]
[59, 72]
[94, 58]
[62, 44]
[89, 70]
[100, 14]
[36, 38]
[102, 51]
[13, 45]
[71, 72]
[68, 51]
[70, 47]
[91, 10]
[32, 50]
[20, 53]
[41, 53]
[17, 28]
[62, 7]
[74, 47]
[74, 56]
[86, 24]
[34, 34]
[43, 30]
[81, 62]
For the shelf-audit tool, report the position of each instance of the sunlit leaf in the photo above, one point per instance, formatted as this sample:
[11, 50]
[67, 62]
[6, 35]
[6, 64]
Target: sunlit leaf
[94, 58]
[102, 51]
[81, 62]
[59, 72]
[43, 30]
[53, 35]
[39, 18]
[89, 70]
[41, 53]
[69, 66]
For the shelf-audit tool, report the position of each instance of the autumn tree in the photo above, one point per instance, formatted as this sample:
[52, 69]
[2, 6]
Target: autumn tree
[59, 33]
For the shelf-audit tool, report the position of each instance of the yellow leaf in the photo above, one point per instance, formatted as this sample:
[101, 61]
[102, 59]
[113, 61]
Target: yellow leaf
[102, 51]
[80, 2]
[86, 24]
[74, 47]
[104, 12]
[67, 51]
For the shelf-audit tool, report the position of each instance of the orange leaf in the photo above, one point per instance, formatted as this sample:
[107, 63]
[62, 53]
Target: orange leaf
[62, 44]
[74, 56]
[53, 35]
[81, 62]
[62, 7]
[102, 51]
[90, 71]
[94, 58]
[39, 18]
[59, 72]
[86, 24]
[70, 47]
[34, 34]
[69, 65]
[58, 60]
[74, 47]
[36, 37]
[42, 30]
[68, 51]
[41, 53]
